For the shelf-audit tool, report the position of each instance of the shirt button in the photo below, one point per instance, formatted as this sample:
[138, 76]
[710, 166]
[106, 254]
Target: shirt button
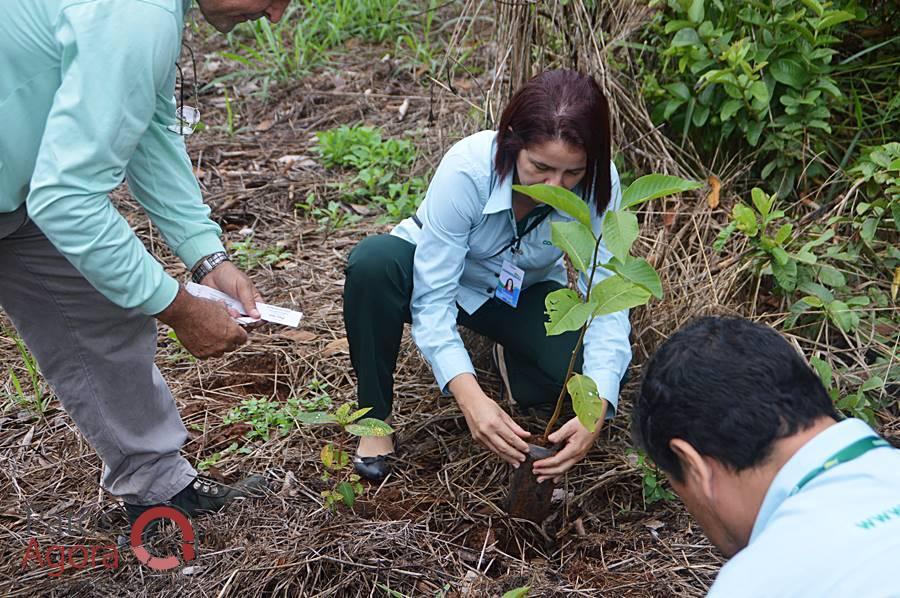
[489, 290]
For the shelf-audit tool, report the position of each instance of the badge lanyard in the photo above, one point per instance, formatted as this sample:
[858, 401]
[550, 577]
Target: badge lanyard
[849, 453]
[511, 278]
[517, 239]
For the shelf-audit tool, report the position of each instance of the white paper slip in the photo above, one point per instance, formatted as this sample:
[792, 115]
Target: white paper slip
[269, 313]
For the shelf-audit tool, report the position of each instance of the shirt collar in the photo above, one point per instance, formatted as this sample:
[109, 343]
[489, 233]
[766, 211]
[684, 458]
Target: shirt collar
[500, 198]
[810, 456]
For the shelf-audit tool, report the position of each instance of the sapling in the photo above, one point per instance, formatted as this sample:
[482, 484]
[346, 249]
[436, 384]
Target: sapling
[336, 458]
[632, 283]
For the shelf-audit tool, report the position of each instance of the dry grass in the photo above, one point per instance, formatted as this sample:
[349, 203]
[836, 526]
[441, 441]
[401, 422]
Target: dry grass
[437, 526]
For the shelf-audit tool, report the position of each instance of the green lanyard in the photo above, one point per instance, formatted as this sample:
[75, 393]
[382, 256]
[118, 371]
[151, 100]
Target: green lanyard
[849, 453]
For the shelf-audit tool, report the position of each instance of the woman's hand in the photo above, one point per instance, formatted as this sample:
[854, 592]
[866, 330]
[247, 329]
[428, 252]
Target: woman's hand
[489, 424]
[578, 441]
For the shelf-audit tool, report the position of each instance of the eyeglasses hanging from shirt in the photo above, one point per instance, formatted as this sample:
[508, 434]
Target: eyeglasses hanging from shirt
[188, 116]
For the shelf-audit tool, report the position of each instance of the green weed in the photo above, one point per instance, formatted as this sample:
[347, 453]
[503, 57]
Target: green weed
[652, 480]
[38, 400]
[335, 457]
[381, 166]
[246, 255]
[308, 34]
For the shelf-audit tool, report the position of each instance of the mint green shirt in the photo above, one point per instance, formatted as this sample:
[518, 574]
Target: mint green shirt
[86, 95]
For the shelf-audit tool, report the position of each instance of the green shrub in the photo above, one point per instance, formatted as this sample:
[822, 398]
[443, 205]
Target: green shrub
[749, 73]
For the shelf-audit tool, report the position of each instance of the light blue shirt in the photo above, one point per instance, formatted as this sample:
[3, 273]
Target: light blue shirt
[838, 536]
[467, 218]
[86, 96]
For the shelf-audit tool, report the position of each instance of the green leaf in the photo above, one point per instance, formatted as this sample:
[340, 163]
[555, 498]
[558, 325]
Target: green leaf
[566, 311]
[359, 413]
[723, 236]
[346, 492]
[729, 109]
[577, 240]
[615, 294]
[812, 301]
[701, 113]
[640, 272]
[686, 37]
[695, 12]
[869, 227]
[818, 290]
[518, 592]
[586, 400]
[343, 413]
[562, 199]
[785, 274]
[369, 427]
[815, 6]
[841, 314]
[759, 91]
[871, 384]
[762, 201]
[316, 417]
[652, 186]
[832, 18]
[783, 233]
[620, 230]
[832, 277]
[790, 72]
[745, 219]
[781, 256]
[327, 455]
[823, 369]
[679, 90]
[754, 130]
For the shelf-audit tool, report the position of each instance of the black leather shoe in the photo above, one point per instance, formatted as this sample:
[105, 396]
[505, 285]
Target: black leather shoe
[203, 495]
[374, 469]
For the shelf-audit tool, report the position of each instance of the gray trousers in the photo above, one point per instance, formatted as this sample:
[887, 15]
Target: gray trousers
[98, 358]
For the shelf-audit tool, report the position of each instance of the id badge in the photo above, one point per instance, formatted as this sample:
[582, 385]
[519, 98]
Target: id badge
[509, 285]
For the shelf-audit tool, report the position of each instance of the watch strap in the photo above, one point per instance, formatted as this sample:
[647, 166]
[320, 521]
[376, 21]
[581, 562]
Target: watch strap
[206, 265]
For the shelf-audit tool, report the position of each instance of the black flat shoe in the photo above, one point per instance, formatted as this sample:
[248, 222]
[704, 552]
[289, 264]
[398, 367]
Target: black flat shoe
[374, 469]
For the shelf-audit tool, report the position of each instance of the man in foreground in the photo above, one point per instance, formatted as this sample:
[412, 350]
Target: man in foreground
[86, 94]
[805, 504]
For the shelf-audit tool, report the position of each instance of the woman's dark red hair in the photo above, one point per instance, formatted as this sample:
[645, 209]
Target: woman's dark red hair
[564, 105]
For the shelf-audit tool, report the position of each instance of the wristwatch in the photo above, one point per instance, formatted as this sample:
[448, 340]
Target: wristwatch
[206, 265]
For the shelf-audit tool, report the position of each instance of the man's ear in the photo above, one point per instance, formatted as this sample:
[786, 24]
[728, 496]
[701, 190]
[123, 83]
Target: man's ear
[694, 466]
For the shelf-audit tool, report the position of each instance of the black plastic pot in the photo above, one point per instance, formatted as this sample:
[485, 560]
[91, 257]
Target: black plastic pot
[527, 498]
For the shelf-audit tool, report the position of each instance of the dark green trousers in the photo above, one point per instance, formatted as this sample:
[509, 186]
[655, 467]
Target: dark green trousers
[377, 292]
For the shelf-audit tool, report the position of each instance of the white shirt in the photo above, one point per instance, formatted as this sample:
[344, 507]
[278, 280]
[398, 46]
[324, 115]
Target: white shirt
[838, 536]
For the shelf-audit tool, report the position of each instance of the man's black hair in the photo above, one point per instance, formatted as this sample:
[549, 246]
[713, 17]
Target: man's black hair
[728, 387]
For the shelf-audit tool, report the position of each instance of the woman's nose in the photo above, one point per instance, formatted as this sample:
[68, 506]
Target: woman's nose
[554, 179]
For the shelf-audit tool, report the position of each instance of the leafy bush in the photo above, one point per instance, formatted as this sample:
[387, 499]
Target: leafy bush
[732, 72]
[837, 272]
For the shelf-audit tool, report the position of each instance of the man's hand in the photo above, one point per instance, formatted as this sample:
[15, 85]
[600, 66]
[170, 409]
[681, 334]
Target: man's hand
[490, 425]
[204, 327]
[227, 278]
[578, 441]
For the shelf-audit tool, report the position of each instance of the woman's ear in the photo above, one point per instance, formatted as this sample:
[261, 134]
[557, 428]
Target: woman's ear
[694, 467]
